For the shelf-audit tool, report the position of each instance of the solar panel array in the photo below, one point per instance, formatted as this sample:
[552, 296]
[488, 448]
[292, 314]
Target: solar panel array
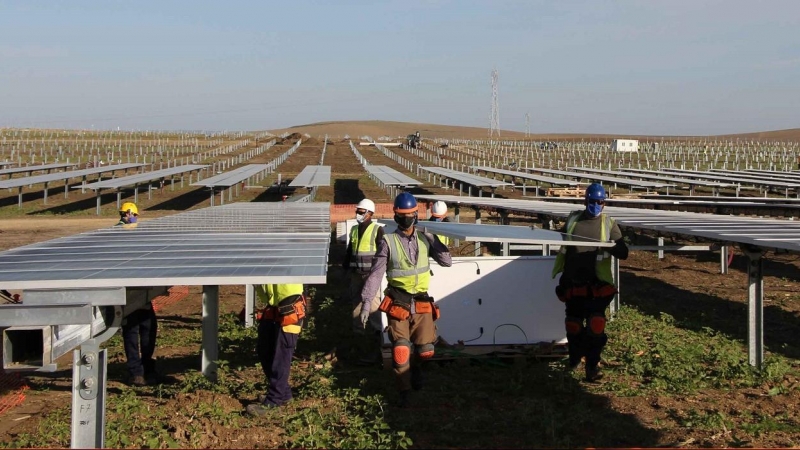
[528, 176]
[312, 176]
[643, 176]
[390, 177]
[595, 177]
[236, 244]
[765, 233]
[465, 177]
[50, 177]
[233, 177]
[143, 177]
[35, 168]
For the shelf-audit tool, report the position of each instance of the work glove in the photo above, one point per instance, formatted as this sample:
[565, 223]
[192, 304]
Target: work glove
[364, 317]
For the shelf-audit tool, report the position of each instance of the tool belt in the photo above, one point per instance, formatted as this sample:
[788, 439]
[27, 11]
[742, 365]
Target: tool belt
[290, 311]
[397, 304]
[602, 291]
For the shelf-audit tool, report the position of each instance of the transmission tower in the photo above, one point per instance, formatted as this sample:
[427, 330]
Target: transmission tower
[527, 125]
[494, 118]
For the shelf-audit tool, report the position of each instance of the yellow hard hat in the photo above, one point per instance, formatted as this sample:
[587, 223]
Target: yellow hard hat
[129, 206]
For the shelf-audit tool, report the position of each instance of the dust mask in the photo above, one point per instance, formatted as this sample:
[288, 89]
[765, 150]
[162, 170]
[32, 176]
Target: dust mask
[360, 218]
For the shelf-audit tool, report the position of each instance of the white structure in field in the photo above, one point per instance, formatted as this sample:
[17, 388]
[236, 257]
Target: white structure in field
[625, 145]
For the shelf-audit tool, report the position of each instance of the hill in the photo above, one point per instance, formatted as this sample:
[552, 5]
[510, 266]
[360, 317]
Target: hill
[377, 128]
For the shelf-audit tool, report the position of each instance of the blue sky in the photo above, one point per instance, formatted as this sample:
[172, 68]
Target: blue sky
[638, 67]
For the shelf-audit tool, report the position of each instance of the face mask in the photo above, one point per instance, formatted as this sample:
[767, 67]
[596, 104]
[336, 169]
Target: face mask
[594, 209]
[360, 218]
[404, 222]
[436, 219]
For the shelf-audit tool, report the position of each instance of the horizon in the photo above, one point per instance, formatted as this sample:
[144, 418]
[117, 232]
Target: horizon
[680, 68]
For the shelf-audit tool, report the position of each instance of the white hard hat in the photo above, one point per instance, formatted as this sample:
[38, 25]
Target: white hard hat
[367, 204]
[439, 209]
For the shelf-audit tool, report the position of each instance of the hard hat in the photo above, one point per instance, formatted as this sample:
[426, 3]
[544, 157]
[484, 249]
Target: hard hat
[405, 203]
[129, 207]
[367, 204]
[595, 191]
[439, 209]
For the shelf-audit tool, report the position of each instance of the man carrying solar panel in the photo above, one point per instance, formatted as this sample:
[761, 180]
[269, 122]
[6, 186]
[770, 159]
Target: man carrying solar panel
[587, 284]
[364, 238]
[403, 257]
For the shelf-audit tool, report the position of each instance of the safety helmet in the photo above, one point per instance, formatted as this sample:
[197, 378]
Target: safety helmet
[405, 203]
[595, 191]
[367, 204]
[129, 207]
[439, 209]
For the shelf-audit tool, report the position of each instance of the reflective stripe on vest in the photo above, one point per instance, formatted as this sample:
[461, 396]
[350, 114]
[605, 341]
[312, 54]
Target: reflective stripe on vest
[443, 239]
[400, 272]
[364, 250]
[272, 294]
[602, 266]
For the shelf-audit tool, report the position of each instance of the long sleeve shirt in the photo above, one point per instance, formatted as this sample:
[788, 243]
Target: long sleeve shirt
[438, 252]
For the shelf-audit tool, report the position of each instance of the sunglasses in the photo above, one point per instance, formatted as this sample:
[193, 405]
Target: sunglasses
[361, 211]
[597, 202]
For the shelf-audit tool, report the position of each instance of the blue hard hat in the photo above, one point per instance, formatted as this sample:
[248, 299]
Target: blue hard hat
[405, 203]
[595, 191]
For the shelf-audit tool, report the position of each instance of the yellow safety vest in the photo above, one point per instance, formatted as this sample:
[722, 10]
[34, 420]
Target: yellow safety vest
[363, 250]
[400, 272]
[443, 239]
[272, 294]
[603, 266]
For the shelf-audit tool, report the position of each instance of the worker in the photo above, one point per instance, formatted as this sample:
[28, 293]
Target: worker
[403, 256]
[364, 238]
[278, 330]
[439, 214]
[587, 284]
[128, 215]
[139, 323]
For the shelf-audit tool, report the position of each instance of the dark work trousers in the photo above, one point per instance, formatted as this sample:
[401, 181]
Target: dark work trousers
[139, 335]
[275, 349]
[586, 343]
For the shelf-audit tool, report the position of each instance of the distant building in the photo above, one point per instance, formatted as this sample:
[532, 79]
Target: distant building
[625, 145]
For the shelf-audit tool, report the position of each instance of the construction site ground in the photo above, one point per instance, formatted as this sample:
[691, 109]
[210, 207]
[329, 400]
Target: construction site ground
[525, 403]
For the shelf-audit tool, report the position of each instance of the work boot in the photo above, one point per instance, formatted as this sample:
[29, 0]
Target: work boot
[404, 400]
[417, 378]
[260, 409]
[137, 380]
[593, 374]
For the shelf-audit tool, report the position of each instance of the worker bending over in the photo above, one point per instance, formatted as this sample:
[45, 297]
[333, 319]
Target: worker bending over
[278, 331]
[128, 215]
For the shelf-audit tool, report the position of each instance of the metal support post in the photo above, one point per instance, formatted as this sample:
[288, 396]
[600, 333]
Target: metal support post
[210, 331]
[755, 306]
[98, 201]
[249, 304]
[614, 306]
[660, 250]
[723, 259]
[477, 221]
[88, 396]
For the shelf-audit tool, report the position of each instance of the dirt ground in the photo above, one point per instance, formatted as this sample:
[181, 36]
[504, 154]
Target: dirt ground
[654, 286]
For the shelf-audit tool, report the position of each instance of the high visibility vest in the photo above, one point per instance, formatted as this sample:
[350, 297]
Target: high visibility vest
[603, 264]
[443, 239]
[399, 270]
[364, 249]
[272, 294]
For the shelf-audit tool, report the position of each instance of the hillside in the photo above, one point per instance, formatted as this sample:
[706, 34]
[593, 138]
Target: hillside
[377, 128]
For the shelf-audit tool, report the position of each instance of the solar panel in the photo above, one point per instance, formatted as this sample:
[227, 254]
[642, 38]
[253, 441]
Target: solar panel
[312, 176]
[529, 176]
[643, 176]
[241, 243]
[390, 177]
[233, 177]
[744, 230]
[143, 177]
[50, 177]
[596, 177]
[499, 233]
[465, 177]
[720, 177]
[36, 168]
